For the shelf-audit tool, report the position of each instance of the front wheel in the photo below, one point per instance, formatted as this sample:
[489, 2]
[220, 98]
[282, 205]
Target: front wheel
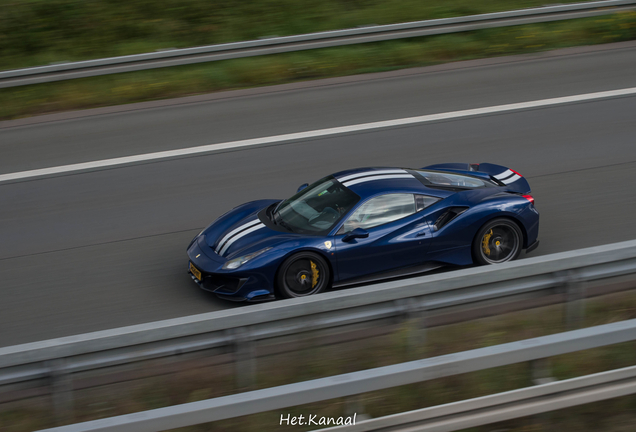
[302, 274]
[496, 242]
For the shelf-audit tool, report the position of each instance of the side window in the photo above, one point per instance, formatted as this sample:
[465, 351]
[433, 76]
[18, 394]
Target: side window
[423, 201]
[380, 210]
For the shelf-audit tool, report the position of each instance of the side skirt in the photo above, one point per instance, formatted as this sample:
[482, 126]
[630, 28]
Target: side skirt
[408, 271]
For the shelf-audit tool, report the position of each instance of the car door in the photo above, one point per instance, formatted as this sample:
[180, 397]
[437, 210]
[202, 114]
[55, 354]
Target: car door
[398, 236]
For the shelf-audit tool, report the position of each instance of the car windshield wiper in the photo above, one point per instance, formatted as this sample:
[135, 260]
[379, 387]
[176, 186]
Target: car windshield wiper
[285, 225]
[277, 206]
[279, 221]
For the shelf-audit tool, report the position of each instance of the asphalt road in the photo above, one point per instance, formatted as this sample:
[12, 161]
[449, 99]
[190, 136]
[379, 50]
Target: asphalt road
[102, 249]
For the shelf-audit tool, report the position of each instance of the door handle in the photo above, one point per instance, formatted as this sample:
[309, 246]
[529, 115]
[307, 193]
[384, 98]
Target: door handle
[420, 234]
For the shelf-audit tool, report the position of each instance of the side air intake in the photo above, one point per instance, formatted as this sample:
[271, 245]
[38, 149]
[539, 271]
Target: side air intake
[447, 216]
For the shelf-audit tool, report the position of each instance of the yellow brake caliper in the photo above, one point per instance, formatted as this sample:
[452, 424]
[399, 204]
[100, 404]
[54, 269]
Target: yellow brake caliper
[315, 274]
[484, 243]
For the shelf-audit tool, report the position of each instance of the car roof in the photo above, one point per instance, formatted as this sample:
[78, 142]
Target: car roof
[367, 182]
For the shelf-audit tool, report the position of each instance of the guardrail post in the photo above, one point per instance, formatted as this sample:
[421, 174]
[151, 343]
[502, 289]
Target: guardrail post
[61, 383]
[244, 359]
[355, 406]
[575, 301]
[540, 373]
[415, 325]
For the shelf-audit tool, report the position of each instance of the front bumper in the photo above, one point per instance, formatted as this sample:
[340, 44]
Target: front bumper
[251, 285]
[217, 283]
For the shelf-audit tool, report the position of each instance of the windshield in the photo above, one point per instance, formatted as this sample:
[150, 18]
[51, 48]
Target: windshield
[317, 208]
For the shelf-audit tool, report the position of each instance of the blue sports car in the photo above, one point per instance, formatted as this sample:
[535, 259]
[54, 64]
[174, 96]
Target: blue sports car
[364, 225]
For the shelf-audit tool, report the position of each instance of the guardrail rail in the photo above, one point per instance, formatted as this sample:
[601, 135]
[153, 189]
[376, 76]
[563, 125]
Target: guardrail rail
[408, 373]
[504, 406]
[53, 363]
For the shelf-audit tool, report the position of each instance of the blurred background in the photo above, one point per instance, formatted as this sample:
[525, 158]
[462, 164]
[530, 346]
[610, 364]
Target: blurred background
[94, 250]
[36, 33]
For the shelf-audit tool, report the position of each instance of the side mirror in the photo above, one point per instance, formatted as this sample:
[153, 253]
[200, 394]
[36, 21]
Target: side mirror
[302, 186]
[356, 233]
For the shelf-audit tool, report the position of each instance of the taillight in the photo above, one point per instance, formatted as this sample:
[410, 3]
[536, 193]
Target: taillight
[529, 198]
[518, 175]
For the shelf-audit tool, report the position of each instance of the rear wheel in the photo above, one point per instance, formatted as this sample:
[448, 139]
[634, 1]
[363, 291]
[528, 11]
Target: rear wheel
[498, 241]
[302, 274]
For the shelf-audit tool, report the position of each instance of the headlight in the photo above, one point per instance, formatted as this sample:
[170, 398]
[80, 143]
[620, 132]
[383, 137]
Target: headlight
[237, 262]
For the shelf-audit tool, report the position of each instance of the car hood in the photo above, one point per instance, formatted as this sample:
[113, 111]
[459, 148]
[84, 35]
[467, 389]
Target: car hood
[241, 231]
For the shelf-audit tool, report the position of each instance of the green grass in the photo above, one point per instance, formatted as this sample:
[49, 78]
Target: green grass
[307, 65]
[36, 32]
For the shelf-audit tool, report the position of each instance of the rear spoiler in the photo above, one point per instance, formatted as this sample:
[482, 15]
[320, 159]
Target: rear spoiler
[507, 178]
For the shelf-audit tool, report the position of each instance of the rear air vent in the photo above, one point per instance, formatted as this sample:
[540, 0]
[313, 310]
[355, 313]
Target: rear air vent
[447, 216]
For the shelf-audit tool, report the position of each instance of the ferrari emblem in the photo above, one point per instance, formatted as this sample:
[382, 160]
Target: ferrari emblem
[328, 244]
[198, 256]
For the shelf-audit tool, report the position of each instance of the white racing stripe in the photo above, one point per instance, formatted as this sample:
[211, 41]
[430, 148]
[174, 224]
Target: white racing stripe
[369, 173]
[504, 174]
[234, 231]
[312, 134]
[511, 179]
[236, 237]
[380, 177]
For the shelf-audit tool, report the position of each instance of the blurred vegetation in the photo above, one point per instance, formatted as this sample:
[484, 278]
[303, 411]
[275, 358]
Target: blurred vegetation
[310, 362]
[297, 66]
[37, 32]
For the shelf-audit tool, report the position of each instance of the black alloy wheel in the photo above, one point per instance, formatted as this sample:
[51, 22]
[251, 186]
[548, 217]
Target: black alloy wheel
[497, 241]
[302, 274]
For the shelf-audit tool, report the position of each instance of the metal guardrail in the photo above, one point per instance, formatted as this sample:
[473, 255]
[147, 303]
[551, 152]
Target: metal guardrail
[354, 305]
[414, 297]
[507, 405]
[369, 380]
[237, 330]
[275, 45]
